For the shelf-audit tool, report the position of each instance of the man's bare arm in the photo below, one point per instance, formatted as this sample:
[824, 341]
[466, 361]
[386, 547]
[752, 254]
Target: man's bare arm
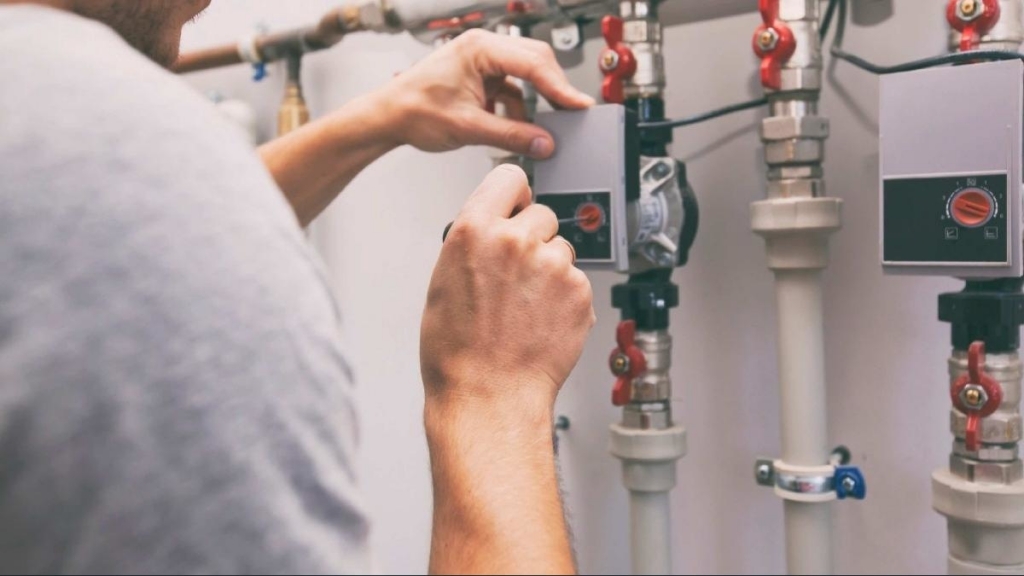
[437, 105]
[506, 318]
[497, 508]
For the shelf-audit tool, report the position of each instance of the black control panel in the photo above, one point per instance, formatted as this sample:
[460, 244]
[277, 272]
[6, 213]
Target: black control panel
[948, 219]
[591, 235]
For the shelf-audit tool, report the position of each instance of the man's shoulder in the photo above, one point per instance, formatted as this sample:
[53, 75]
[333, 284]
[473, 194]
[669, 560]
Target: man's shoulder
[69, 76]
[44, 38]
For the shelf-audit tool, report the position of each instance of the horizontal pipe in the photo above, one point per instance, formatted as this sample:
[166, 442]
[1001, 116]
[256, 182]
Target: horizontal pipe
[272, 47]
[208, 58]
[418, 16]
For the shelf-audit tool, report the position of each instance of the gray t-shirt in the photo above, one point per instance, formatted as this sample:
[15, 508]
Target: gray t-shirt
[173, 394]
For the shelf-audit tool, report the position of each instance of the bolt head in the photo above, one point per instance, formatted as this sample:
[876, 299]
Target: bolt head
[764, 472]
[973, 396]
[620, 365]
[609, 60]
[968, 10]
[768, 39]
[849, 485]
[660, 170]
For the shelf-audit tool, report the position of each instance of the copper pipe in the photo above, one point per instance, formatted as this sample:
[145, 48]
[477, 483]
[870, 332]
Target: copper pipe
[206, 59]
[271, 47]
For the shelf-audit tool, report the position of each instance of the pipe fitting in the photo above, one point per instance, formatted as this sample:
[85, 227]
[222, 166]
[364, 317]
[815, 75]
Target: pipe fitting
[804, 172]
[986, 472]
[999, 428]
[1000, 431]
[796, 230]
[776, 128]
[650, 416]
[642, 34]
[796, 188]
[798, 151]
[985, 522]
[648, 456]
[986, 452]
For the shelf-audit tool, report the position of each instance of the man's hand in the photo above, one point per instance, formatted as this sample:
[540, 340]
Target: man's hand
[440, 104]
[507, 312]
[506, 318]
[437, 105]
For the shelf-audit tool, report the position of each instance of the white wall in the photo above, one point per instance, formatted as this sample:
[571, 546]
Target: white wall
[886, 350]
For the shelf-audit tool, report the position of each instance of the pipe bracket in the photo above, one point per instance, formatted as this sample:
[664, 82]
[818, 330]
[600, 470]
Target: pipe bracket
[811, 483]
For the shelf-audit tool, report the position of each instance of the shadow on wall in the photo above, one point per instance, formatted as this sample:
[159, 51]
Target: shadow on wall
[871, 12]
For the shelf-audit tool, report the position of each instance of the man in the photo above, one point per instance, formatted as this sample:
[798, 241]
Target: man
[173, 396]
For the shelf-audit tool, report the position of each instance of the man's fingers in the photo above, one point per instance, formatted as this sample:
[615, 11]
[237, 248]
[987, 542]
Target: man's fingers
[502, 193]
[530, 60]
[510, 97]
[562, 250]
[539, 220]
[515, 136]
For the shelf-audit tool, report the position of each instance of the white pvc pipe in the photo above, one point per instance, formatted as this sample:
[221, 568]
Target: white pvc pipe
[804, 424]
[651, 543]
[808, 537]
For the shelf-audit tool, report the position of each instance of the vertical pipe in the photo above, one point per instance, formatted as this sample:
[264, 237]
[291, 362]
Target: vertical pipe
[808, 538]
[796, 220]
[801, 367]
[649, 518]
[647, 440]
[981, 492]
[803, 413]
[293, 113]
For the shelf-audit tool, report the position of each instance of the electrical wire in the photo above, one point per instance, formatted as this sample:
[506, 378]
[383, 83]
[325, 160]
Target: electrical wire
[955, 58]
[837, 9]
[705, 116]
[826, 24]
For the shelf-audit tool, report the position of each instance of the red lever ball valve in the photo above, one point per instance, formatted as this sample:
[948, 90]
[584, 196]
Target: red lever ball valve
[774, 44]
[627, 362]
[972, 19]
[976, 394]
[617, 61]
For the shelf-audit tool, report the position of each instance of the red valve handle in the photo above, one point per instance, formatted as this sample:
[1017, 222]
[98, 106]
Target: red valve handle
[517, 7]
[976, 376]
[625, 337]
[775, 55]
[972, 30]
[617, 61]
[457, 22]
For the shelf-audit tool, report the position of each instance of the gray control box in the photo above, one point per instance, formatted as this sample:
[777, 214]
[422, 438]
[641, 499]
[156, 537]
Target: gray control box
[951, 142]
[592, 175]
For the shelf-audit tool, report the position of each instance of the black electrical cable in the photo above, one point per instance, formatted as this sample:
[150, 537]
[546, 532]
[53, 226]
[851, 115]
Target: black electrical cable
[955, 58]
[826, 23]
[838, 9]
[705, 116]
[826, 20]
